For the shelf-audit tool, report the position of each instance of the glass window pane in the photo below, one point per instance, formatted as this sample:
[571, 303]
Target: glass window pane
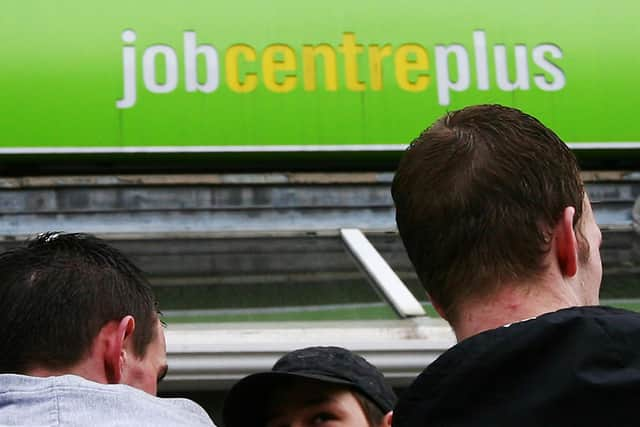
[256, 279]
[620, 253]
[390, 247]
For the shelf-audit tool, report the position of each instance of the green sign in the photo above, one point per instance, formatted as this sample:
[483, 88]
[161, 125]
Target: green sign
[254, 75]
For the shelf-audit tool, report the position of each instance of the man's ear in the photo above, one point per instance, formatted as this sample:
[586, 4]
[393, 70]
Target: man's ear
[115, 356]
[386, 420]
[566, 243]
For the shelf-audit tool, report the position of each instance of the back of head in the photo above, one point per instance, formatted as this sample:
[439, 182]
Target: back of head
[58, 291]
[477, 195]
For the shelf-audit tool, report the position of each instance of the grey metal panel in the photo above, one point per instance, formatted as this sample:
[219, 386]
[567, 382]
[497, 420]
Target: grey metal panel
[216, 356]
[164, 221]
[237, 203]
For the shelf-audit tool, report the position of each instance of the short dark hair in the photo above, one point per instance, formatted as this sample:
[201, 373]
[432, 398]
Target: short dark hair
[58, 291]
[477, 195]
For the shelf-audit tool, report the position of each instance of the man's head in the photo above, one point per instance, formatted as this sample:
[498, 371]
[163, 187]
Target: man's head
[70, 303]
[313, 386]
[478, 198]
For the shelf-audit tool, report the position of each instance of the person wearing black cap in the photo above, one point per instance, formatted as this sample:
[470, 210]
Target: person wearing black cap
[314, 386]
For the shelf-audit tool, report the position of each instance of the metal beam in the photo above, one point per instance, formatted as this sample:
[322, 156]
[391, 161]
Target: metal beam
[385, 280]
[215, 356]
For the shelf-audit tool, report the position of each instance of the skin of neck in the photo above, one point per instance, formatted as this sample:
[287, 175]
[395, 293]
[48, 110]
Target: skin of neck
[515, 302]
[560, 284]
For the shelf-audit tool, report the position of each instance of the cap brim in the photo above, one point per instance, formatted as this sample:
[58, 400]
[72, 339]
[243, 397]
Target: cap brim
[246, 403]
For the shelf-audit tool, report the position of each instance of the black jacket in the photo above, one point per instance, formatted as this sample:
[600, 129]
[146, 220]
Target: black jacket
[573, 367]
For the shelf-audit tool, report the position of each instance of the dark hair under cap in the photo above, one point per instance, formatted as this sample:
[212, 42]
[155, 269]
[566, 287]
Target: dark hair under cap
[245, 405]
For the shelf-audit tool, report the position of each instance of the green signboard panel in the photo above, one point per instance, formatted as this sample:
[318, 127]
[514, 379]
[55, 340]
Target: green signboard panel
[223, 75]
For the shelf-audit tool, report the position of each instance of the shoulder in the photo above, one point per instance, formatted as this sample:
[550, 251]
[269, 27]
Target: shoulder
[577, 352]
[81, 402]
[555, 331]
[148, 409]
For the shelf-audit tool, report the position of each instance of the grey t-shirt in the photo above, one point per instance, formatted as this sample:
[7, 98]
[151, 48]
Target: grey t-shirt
[72, 401]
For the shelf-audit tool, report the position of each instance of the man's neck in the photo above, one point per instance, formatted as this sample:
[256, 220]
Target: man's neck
[511, 304]
[84, 369]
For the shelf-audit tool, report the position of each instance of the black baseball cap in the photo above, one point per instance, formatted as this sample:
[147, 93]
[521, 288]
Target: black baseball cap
[246, 403]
